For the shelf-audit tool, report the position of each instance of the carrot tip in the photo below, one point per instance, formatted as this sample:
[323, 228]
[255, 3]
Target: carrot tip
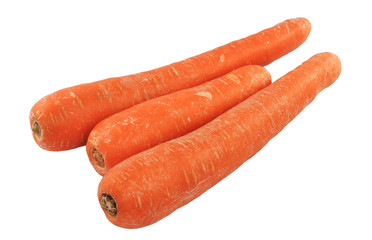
[108, 203]
[98, 158]
[36, 128]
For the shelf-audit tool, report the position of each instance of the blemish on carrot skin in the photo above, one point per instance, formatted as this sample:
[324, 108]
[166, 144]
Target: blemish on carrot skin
[175, 71]
[139, 202]
[146, 95]
[99, 96]
[183, 121]
[154, 158]
[240, 128]
[80, 102]
[287, 28]
[135, 202]
[123, 177]
[157, 85]
[204, 94]
[212, 165]
[233, 78]
[182, 144]
[107, 94]
[150, 200]
[168, 193]
[203, 167]
[186, 177]
[52, 118]
[170, 149]
[160, 136]
[194, 176]
[216, 154]
[177, 128]
[222, 58]
[119, 86]
[223, 81]
[61, 115]
[82, 139]
[72, 94]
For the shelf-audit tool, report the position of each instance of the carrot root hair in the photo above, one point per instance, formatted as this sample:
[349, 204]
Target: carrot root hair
[36, 129]
[98, 158]
[108, 203]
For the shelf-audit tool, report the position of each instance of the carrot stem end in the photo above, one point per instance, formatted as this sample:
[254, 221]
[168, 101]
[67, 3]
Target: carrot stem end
[108, 203]
[36, 128]
[98, 158]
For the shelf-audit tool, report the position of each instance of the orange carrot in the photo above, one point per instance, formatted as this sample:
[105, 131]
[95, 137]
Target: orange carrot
[63, 120]
[161, 119]
[152, 184]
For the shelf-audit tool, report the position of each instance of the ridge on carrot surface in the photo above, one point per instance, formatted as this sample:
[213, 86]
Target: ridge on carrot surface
[63, 120]
[161, 119]
[152, 184]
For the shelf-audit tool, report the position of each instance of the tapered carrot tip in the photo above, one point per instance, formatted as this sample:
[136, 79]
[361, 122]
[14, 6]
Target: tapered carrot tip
[306, 25]
[334, 63]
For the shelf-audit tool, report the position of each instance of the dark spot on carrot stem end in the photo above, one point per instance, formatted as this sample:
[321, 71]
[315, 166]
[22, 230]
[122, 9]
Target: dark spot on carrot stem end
[36, 128]
[98, 158]
[108, 203]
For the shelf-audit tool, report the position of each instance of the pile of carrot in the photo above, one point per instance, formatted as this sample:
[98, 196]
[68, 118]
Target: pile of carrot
[163, 137]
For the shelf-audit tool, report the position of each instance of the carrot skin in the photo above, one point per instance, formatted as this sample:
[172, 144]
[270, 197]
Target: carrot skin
[161, 119]
[152, 184]
[64, 119]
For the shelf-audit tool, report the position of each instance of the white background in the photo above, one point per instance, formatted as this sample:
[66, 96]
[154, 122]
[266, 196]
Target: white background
[312, 181]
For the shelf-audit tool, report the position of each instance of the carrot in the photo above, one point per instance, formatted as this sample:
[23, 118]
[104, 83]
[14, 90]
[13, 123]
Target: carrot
[152, 184]
[64, 119]
[161, 119]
